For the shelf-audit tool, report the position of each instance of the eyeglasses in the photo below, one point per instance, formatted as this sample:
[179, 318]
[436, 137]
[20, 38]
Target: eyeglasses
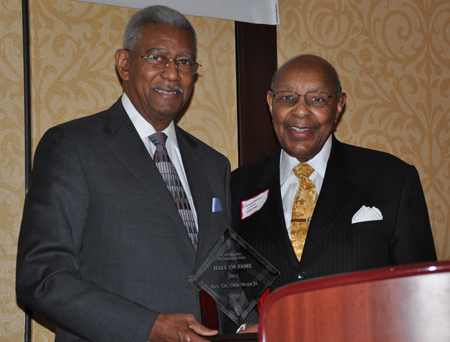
[312, 98]
[186, 66]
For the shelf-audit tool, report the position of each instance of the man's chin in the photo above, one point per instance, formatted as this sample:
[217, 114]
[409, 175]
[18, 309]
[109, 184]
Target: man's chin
[169, 112]
[303, 154]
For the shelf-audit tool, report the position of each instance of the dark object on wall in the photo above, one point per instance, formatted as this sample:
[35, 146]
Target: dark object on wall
[256, 62]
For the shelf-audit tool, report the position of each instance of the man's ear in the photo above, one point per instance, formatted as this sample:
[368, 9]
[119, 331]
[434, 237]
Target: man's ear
[340, 105]
[122, 59]
[269, 100]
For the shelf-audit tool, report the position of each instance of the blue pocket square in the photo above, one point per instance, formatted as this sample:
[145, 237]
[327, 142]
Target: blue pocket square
[216, 205]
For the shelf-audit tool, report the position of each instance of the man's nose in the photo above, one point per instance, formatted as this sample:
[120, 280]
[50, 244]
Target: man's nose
[301, 108]
[171, 70]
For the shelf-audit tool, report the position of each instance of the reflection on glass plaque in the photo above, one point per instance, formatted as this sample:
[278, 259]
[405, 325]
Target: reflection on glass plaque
[234, 275]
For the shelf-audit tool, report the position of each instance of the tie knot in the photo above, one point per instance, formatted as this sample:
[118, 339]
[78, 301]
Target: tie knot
[158, 138]
[303, 170]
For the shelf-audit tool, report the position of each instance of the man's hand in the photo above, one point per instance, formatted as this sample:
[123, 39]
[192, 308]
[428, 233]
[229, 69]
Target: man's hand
[179, 328]
[249, 328]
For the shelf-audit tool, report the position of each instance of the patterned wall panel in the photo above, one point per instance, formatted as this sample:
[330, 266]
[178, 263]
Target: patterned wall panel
[393, 59]
[211, 115]
[11, 163]
[73, 46]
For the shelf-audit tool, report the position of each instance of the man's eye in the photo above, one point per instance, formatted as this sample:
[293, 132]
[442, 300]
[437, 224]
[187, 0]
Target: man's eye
[184, 62]
[156, 58]
[316, 98]
[287, 97]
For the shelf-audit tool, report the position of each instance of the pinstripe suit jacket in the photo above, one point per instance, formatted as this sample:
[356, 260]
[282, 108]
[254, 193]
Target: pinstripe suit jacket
[102, 248]
[354, 177]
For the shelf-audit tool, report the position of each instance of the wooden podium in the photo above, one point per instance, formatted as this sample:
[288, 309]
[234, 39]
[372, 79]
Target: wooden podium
[404, 303]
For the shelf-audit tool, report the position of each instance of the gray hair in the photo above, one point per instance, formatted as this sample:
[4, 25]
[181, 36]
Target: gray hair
[153, 15]
[332, 70]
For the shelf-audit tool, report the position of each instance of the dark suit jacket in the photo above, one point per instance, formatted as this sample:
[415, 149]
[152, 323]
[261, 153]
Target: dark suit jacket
[102, 248]
[354, 177]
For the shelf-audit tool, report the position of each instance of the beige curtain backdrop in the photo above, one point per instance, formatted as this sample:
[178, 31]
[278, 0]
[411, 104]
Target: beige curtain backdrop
[392, 55]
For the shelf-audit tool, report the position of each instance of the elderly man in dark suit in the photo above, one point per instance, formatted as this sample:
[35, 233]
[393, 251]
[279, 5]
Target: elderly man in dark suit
[318, 207]
[124, 203]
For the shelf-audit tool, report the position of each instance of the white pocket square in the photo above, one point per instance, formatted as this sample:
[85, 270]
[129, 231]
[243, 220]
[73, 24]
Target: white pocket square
[365, 214]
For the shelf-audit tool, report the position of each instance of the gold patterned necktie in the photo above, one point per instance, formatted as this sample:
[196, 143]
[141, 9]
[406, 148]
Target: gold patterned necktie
[303, 207]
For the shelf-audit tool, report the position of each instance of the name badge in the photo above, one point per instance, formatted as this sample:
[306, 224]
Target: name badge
[252, 205]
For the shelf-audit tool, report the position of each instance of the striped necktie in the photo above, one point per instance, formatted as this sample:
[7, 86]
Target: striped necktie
[170, 176]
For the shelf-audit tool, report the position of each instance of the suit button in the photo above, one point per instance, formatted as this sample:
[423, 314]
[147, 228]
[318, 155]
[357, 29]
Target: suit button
[301, 275]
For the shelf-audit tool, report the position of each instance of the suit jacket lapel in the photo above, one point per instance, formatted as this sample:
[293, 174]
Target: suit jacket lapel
[336, 191]
[272, 214]
[194, 166]
[127, 146]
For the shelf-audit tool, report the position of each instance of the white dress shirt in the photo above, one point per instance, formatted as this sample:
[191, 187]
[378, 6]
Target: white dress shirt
[289, 182]
[145, 129]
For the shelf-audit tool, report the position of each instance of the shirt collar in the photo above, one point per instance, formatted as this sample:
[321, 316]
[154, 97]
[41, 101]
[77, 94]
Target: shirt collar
[143, 127]
[319, 162]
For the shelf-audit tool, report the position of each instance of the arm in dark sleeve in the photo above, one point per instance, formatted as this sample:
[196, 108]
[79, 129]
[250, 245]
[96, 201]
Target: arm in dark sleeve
[412, 240]
[48, 278]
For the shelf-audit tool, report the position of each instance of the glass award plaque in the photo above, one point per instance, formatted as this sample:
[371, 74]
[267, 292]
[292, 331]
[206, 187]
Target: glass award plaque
[234, 275]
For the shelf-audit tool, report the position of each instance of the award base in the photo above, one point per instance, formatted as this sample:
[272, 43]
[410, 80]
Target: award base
[234, 276]
[209, 319]
[252, 337]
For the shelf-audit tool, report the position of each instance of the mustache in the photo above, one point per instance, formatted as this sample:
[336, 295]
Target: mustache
[169, 86]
